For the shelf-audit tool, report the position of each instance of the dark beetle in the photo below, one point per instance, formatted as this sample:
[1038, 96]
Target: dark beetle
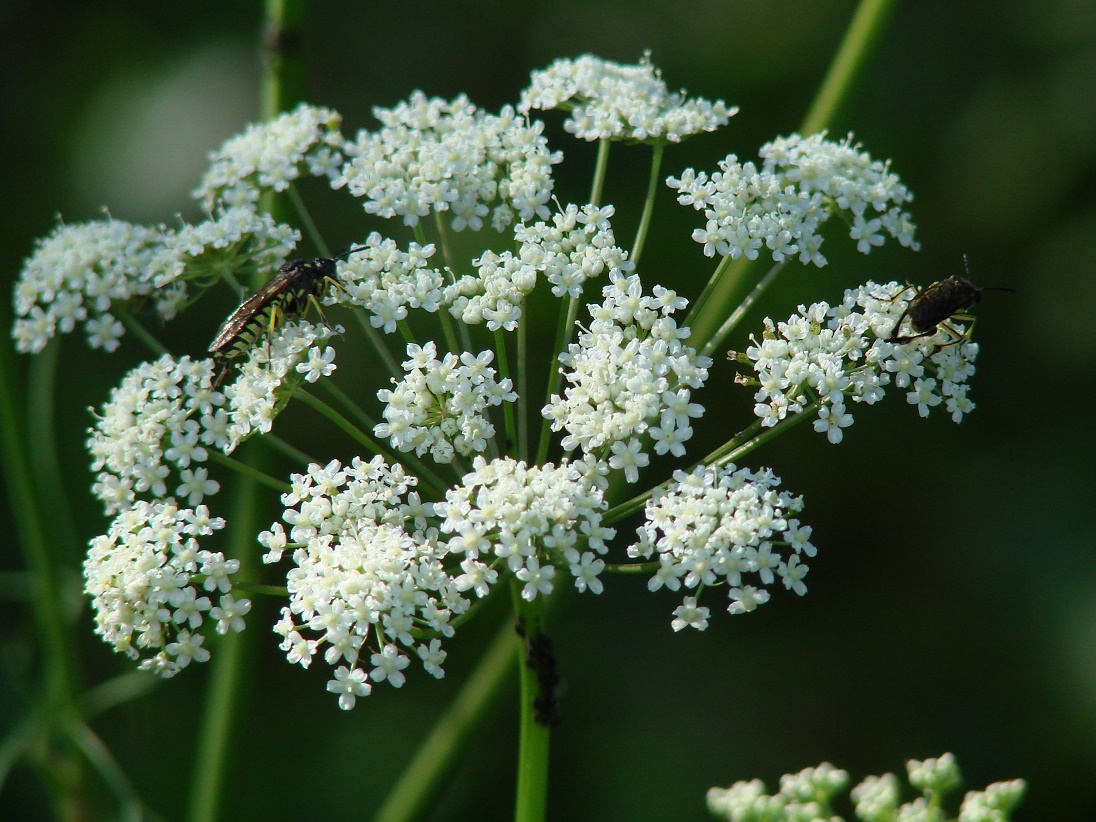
[938, 302]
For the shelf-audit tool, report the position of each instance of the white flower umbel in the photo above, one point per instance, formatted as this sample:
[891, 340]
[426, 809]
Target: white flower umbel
[89, 272]
[271, 155]
[826, 355]
[802, 182]
[576, 246]
[716, 525]
[612, 101]
[77, 275]
[441, 406]
[270, 371]
[629, 374]
[387, 282]
[533, 517]
[368, 576]
[149, 583]
[151, 437]
[431, 155]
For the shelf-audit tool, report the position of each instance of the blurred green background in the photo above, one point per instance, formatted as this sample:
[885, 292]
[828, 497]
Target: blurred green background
[952, 605]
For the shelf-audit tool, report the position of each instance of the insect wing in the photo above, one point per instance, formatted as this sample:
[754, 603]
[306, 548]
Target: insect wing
[238, 320]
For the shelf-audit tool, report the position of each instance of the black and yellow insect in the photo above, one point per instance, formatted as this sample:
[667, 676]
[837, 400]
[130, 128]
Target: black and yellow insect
[289, 293]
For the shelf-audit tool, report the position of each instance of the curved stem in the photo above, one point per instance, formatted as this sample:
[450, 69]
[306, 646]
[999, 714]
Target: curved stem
[649, 202]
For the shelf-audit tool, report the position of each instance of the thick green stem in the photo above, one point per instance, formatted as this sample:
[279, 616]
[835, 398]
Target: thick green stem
[531, 803]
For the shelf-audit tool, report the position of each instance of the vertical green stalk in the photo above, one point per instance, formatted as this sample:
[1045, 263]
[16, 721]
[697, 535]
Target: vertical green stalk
[531, 804]
[523, 384]
[861, 39]
[597, 187]
[281, 88]
[507, 407]
[649, 202]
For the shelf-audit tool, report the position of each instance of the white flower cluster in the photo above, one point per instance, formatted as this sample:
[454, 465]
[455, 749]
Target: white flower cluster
[143, 576]
[160, 421]
[368, 575]
[716, 524]
[630, 375]
[386, 281]
[270, 155]
[612, 101]
[81, 272]
[810, 793]
[440, 407]
[238, 239]
[78, 274]
[263, 385]
[825, 354]
[782, 206]
[433, 155]
[531, 516]
[577, 245]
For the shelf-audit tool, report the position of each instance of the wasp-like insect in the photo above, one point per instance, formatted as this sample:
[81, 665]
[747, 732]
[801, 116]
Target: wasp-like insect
[937, 303]
[288, 294]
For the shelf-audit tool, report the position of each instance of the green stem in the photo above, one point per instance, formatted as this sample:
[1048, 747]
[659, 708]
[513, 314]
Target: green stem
[309, 224]
[507, 407]
[862, 37]
[523, 384]
[42, 560]
[563, 336]
[428, 480]
[532, 791]
[244, 469]
[229, 670]
[141, 333]
[379, 345]
[425, 775]
[649, 202]
[597, 187]
[706, 293]
[282, 84]
[740, 312]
